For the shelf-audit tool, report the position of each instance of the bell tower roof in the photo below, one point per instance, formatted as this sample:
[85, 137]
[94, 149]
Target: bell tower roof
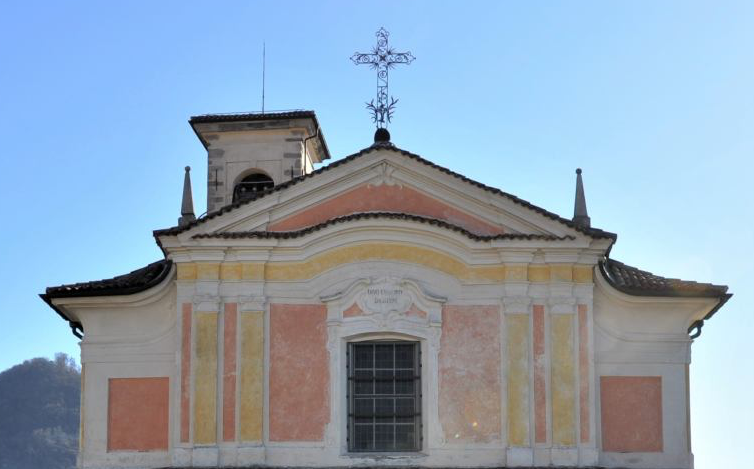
[252, 152]
[206, 124]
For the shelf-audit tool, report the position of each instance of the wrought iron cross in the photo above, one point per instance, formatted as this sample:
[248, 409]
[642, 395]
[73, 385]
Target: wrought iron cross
[382, 58]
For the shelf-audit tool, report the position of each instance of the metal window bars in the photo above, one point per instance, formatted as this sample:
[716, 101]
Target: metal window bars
[384, 396]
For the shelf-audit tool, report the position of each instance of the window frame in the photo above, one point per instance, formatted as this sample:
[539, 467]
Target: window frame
[417, 396]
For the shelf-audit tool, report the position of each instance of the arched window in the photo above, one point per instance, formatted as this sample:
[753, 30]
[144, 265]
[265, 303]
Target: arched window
[251, 185]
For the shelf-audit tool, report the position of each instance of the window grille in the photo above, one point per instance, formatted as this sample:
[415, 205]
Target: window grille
[384, 396]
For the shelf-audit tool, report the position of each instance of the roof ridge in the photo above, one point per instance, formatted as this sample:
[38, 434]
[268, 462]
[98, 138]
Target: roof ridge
[262, 234]
[594, 232]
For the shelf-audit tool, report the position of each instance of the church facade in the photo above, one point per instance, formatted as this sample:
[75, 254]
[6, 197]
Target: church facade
[379, 310]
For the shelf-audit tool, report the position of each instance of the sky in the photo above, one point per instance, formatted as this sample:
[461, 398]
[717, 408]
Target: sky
[654, 100]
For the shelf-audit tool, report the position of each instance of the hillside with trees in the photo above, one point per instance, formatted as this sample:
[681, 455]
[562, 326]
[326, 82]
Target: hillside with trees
[39, 414]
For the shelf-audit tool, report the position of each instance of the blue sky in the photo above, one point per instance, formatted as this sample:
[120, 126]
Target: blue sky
[654, 100]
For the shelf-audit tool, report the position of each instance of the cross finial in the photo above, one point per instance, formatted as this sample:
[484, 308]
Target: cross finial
[382, 58]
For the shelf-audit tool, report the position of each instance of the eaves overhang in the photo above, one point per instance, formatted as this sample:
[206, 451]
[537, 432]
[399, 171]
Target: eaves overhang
[131, 283]
[636, 282]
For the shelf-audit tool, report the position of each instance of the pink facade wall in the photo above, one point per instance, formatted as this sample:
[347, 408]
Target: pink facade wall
[299, 372]
[384, 198]
[631, 408]
[540, 377]
[469, 399]
[137, 414]
[229, 372]
[185, 371]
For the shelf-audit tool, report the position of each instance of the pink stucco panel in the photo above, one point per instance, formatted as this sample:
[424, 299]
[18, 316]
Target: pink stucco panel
[384, 198]
[299, 373]
[540, 376]
[137, 414]
[229, 372]
[470, 373]
[631, 408]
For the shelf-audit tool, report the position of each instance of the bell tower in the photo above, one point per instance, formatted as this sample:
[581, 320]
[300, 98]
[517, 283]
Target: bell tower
[250, 153]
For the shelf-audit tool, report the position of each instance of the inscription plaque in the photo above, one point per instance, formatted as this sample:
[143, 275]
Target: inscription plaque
[385, 296]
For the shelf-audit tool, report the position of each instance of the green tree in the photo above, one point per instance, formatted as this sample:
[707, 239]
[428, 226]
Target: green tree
[39, 414]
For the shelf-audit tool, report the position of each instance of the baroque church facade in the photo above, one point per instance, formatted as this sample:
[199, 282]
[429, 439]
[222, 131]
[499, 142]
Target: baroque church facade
[379, 310]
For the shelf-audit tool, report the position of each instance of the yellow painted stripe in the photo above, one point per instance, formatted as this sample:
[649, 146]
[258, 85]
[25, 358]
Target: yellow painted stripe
[304, 270]
[518, 379]
[252, 375]
[280, 271]
[516, 272]
[205, 379]
[563, 380]
[186, 271]
[561, 272]
[582, 273]
[230, 271]
[539, 273]
[252, 271]
[207, 271]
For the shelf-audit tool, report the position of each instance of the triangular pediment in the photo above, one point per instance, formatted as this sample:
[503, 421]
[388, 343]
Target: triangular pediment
[387, 180]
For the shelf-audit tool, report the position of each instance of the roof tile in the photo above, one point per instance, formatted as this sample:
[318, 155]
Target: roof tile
[634, 281]
[372, 216]
[593, 232]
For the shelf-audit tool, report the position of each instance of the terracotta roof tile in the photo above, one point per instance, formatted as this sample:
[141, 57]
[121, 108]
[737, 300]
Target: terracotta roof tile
[372, 216]
[132, 282]
[633, 281]
[593, 232]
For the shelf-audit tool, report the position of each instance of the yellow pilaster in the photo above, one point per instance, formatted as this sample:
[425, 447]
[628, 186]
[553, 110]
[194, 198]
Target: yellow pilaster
[518, 379]
[205, 379]
[252, 375]
[563, 380]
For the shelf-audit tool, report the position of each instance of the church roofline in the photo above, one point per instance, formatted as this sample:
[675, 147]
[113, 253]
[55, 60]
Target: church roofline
[593, 232]
[633, 281]
[259, 116]
[374, 216]
[636, 282]
[251, 116]
[133, 282]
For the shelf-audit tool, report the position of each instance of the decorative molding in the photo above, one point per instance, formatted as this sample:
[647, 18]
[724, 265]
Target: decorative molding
[517, 304]
[384, 175]
[206, 302]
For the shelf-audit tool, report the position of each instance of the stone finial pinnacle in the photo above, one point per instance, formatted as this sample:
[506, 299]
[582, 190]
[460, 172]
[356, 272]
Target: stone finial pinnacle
[187, 202]
[580, 215]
